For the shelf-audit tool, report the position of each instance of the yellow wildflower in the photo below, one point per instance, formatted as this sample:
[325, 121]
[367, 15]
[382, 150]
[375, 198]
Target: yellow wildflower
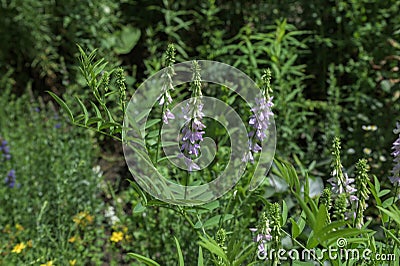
[72, 262]
[83, 218]
[49, 263]
[19, 247]
[19, 227]
[78, 217]
[72, 239]
[128, 237]
[117, 236]
[89, 218]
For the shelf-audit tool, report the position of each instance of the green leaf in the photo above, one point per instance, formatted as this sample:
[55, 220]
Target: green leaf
[139, 208]
[302, 222]
[180, 255]
[374, 193]
[383, 192]
[152, 122]
[127, 38]
[107, 125]
[391, 235]
[85, 112]
[244, 254]
[312, 240]
[152, 134]
[200, 260]
[393, 213]
[213, 247]
[93, 120]
[213, 221]
[98, 114]
[388, 202]
[321, 218]
[309, 214]
[332, 236]
[284, 213]
[144, 259]
[63, 105]
[139, 191]
[295, 228]
[98, 68]
[377, 184]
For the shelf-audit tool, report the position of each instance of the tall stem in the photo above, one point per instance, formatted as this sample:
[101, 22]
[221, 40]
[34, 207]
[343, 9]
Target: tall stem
[159, 133]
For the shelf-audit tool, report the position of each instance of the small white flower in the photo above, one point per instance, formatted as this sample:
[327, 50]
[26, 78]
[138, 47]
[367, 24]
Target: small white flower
[107, 9]
[369, 127]
[351, 151]
[367, 151]
[110, 214]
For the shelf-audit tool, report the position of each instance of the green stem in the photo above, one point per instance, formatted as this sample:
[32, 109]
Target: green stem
[99, 131]
[186, 182]
[159, 133]
[184, 214]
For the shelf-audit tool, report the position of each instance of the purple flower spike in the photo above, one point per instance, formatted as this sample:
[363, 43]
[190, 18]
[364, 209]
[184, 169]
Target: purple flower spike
[192, 135]
[10, 179]
[395, 178]
[6, 149]
[261, 118]
[259, 122]
[11, 173]
[262, 237]
[346, 187]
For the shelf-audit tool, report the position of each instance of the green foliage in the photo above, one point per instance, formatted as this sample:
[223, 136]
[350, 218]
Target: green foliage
[53, 166]
[39, 38]
[334, 67]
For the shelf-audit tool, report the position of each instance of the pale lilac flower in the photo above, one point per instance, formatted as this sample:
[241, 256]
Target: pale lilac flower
[343, 185]
[395, 178]
[191, 165]
[165, 95]
[192, 134]
[165, 98]
[261, 118]
[262, 238]
[261, 248]
[260, 122]
[5, 149]
[167, 115]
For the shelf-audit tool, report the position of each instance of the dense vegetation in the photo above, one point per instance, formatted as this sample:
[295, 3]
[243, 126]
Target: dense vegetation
[69, 68]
